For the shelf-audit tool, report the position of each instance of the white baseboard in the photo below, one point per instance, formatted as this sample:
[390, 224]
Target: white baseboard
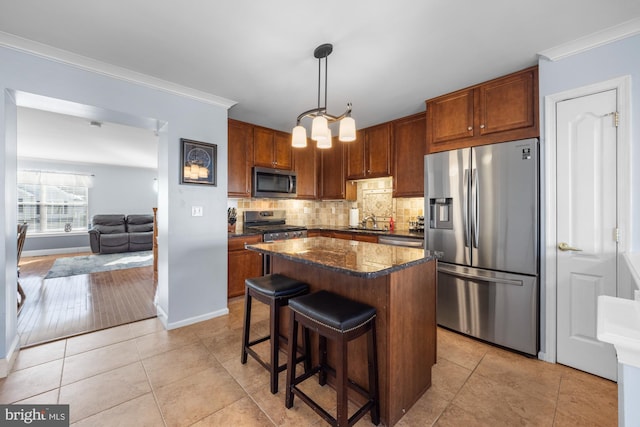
[196, 319]
[42, 252]
[7, 363]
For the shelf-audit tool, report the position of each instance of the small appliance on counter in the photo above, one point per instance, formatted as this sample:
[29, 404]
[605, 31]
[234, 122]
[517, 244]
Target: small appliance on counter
[354, 217]
[417, 225]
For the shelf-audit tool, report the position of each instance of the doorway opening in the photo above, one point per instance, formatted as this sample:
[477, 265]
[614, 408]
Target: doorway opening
[119, 153]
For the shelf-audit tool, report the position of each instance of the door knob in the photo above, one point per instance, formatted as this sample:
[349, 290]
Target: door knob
[565, 247]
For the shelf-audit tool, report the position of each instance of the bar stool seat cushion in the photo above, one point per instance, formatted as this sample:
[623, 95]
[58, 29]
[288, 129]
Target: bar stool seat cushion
[277, 286]
[333, 311]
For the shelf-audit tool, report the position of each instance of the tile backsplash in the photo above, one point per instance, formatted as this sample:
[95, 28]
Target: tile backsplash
[373, 196]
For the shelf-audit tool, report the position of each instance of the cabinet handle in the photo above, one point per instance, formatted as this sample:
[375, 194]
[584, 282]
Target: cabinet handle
[481, 126]
[470, 128]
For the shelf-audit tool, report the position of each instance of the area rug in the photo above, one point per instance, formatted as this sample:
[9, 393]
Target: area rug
[73, 266]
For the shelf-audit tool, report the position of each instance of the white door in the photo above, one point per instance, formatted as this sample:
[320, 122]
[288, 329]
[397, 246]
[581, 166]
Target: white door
[586, 227]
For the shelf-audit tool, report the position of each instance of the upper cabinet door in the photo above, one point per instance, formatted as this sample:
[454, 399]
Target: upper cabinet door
[262, 147]
[356, 167]
[239, 159]
[282, 155]
[378, 150]
[451, 116]
[409, 148]
[507, 104]
[306, 164]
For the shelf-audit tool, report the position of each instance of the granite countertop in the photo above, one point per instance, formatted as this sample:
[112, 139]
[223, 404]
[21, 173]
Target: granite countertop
[351, 257]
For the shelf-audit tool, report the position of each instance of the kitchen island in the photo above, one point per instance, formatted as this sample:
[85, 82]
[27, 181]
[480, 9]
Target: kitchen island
[399, 282]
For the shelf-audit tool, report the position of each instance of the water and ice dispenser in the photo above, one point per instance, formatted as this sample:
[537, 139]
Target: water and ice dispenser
[441, 213]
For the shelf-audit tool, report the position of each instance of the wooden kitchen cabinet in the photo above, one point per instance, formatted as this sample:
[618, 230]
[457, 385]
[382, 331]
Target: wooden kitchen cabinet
[409, 148]
[306, 163]
[369, 156]
[272, 148]
[242, 263]
[500, 110]
[333, 185]
[239, 158]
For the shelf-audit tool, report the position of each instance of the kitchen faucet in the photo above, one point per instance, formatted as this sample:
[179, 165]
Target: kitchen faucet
[371, 217]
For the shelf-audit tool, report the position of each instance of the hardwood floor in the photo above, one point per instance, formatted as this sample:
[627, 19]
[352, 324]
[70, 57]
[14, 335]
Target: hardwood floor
[66, 306]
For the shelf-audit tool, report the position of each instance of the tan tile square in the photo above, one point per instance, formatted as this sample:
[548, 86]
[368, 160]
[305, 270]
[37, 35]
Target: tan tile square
[163, 341]
[521, 373]
[98, 339]
[425, 411]
[243, 413]
[141, 412]
[50, 397]
[165, 368]
[251, 376]
[454, 416]
[145, 327]
[226, 346]
[30, 382]
[193, 398]
[447, 378]
[586, 396]
[460, 349]
[102, 359]
[103, 391]
[491, 400]
[273, 405]
[43, 353]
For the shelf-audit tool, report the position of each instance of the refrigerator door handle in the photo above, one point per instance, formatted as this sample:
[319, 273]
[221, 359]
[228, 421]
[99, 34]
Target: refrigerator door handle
[475, 208]
[465, 208]
[454, 272]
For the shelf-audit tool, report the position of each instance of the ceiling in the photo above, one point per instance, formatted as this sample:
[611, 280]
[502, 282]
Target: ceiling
[388, 57]
[67, 138]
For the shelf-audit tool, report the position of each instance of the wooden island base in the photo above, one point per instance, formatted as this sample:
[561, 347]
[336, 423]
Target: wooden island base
[405, 301]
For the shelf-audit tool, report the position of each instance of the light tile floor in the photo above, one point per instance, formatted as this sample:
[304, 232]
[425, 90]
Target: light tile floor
[139, 374]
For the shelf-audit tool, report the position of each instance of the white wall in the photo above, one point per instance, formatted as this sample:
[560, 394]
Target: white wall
[192, 275]
[115, 190]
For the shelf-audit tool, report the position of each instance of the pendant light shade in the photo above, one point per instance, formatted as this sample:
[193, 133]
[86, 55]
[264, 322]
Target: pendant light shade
[320, 126]
[326, 141]
[347, 130]
[299, 137]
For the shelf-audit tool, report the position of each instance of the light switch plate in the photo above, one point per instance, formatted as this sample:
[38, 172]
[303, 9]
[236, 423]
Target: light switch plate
[196, 210]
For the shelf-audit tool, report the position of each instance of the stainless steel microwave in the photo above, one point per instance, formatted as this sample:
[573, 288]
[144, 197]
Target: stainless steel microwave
[269, 182]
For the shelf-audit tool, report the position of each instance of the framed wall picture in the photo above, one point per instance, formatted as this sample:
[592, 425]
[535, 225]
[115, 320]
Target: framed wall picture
[199, 162]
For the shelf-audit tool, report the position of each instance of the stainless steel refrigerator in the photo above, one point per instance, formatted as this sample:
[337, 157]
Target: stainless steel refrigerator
[481, 209]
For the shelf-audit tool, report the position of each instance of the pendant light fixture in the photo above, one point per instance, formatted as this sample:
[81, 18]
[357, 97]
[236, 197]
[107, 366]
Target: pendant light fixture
[320, 131]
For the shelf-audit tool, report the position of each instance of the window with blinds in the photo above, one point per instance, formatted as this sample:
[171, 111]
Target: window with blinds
[53, 202]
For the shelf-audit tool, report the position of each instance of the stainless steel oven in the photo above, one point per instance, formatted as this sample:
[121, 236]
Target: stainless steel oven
[273, 226]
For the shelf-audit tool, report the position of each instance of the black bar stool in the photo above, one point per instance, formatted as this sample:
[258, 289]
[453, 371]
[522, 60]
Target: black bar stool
[340, 320]
[275, 290]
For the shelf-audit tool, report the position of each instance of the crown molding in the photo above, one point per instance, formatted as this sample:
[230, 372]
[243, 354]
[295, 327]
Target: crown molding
[608, 35]
[69, 58]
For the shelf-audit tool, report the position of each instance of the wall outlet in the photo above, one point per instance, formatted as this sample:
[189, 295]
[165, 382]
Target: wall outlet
[636, 294]
[196, 210]
[306, 210]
